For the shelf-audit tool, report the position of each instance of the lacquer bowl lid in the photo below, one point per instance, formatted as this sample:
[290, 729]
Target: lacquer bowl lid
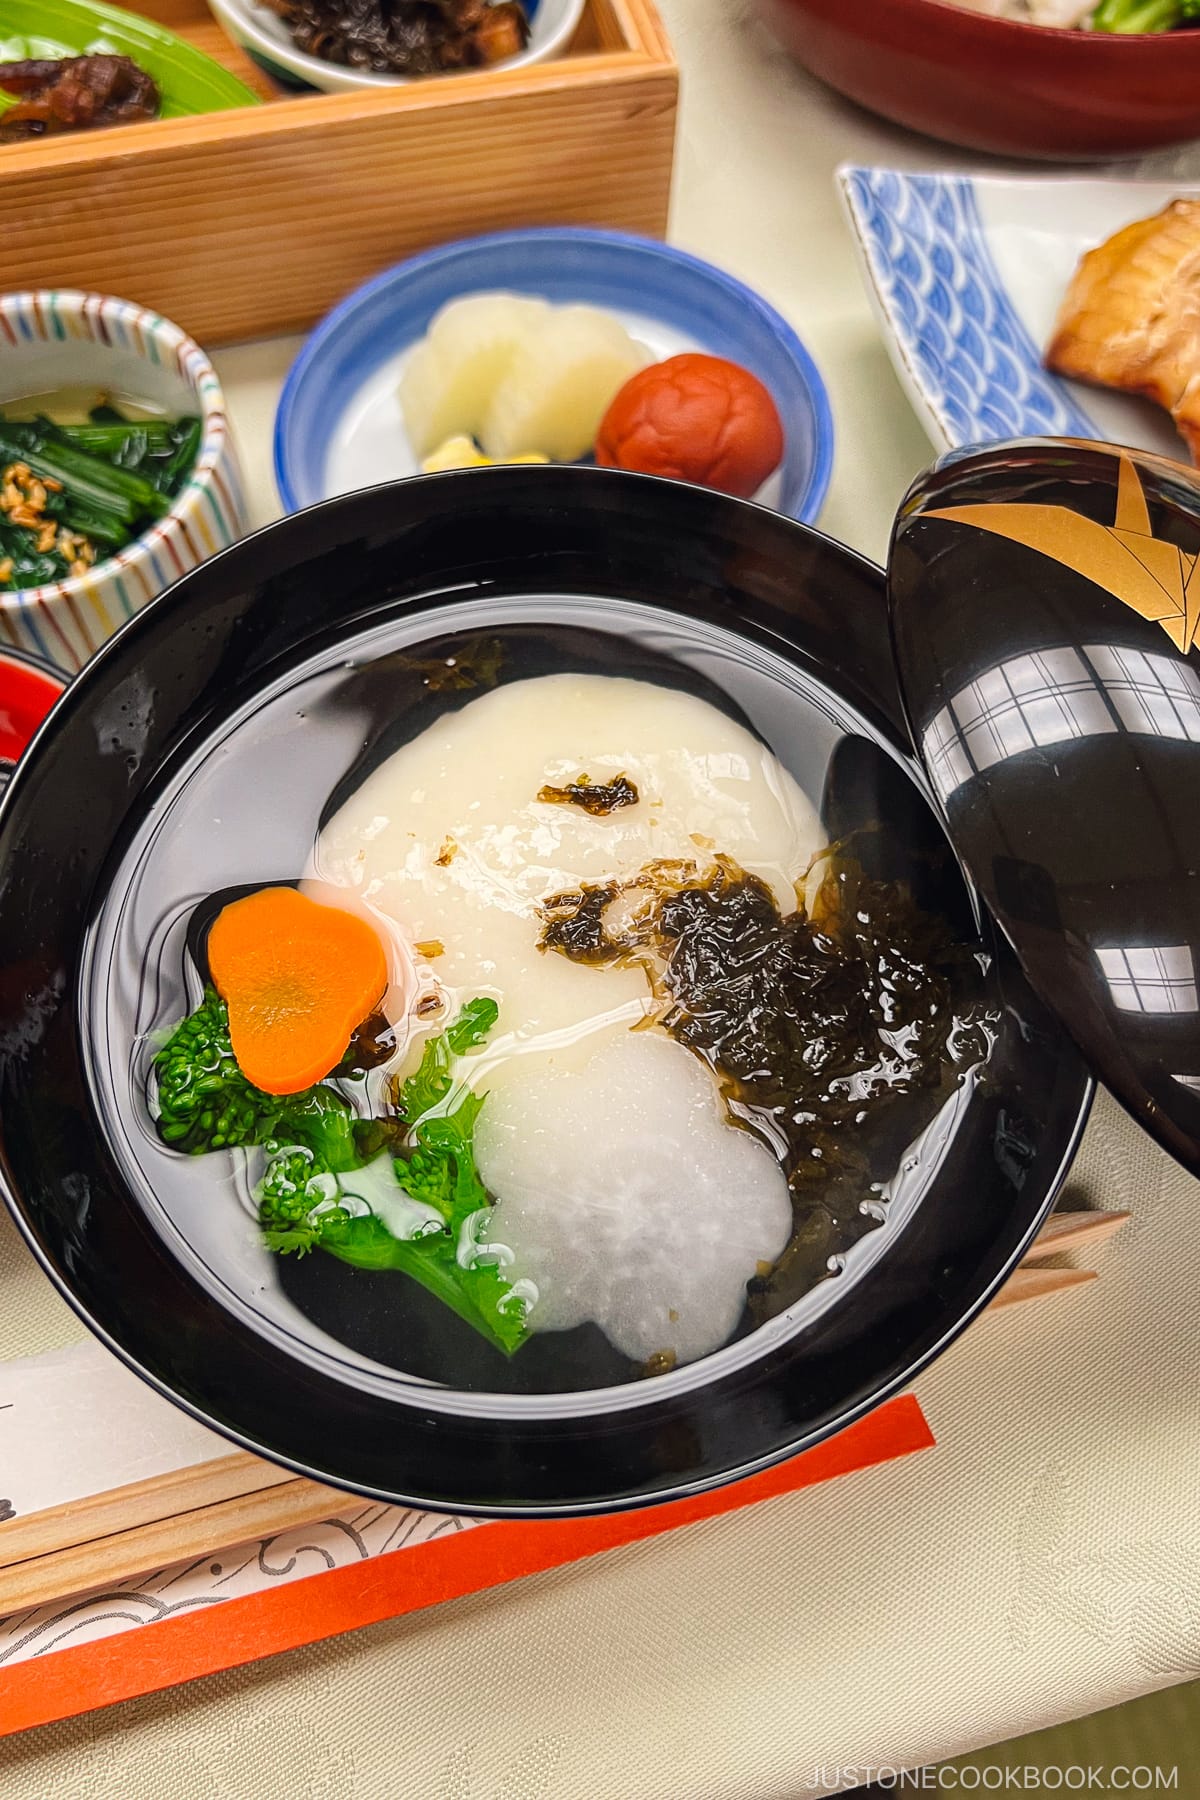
[1045, 601]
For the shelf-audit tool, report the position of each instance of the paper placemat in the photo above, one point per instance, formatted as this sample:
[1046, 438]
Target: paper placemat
[75, 1422]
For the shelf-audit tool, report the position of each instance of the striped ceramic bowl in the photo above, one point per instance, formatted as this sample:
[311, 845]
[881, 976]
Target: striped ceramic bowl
[51, 341]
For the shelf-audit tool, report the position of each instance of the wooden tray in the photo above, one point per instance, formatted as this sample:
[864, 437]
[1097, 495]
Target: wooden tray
[252, 223]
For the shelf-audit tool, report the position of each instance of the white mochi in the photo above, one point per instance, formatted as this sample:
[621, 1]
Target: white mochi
[465, 792]
[624, 1192]
[626, 1197]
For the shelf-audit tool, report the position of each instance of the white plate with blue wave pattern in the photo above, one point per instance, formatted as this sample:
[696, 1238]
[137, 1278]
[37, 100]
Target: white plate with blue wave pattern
[966, 275]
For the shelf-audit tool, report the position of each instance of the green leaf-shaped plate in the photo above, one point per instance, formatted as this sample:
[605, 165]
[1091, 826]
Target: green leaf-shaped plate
[189, 81]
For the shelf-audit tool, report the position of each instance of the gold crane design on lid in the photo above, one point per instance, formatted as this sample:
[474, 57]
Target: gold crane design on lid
[1158, 580]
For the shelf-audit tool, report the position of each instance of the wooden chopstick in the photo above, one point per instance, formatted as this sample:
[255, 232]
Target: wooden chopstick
[205, 1530]
[124, 1509]
[1039, 1284]
[1062, 1231]
[1073, 1231]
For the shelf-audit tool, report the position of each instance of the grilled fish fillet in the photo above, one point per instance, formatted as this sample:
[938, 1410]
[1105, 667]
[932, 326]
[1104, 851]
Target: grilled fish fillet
[1131, 316]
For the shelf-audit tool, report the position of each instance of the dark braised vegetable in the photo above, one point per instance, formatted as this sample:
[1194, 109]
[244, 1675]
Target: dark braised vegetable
[595, 797]
[74, 93]
[407, 37]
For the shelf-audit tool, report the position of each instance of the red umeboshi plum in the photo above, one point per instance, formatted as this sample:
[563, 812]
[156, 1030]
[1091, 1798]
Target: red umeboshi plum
[697, 418]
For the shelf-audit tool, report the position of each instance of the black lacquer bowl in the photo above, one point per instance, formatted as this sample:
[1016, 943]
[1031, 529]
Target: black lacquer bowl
[203, 747]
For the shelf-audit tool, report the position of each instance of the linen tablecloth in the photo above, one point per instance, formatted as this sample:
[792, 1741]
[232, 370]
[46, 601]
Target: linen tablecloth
[1042, 1562]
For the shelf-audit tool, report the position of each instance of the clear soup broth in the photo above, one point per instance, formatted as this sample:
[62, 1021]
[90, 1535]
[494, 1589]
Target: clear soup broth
[734, 1002]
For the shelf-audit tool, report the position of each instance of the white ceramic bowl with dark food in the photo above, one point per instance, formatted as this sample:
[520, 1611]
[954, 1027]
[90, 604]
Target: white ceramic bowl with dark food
[281, 673]
[265, 38]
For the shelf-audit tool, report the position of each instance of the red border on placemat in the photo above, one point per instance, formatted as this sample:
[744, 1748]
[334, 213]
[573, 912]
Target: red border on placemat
[146, 1658]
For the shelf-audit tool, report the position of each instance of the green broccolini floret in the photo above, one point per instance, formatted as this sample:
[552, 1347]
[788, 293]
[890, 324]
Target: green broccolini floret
[297, 1199]
[206, 1103]
[312, 1138]
[321, 1121]
[294, 1184]
[286, 1183]
[440, 1169]
[204, 1100]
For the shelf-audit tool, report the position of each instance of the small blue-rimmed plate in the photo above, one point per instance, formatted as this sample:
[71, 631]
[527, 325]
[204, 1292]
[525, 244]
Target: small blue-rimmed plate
[966, 276]
[339, 426]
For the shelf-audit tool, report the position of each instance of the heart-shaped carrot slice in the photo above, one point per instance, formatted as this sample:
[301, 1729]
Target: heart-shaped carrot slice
[298, 979]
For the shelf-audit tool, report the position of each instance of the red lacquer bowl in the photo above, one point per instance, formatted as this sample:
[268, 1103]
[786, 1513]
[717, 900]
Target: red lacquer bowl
[28, 689]
[992, 84]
